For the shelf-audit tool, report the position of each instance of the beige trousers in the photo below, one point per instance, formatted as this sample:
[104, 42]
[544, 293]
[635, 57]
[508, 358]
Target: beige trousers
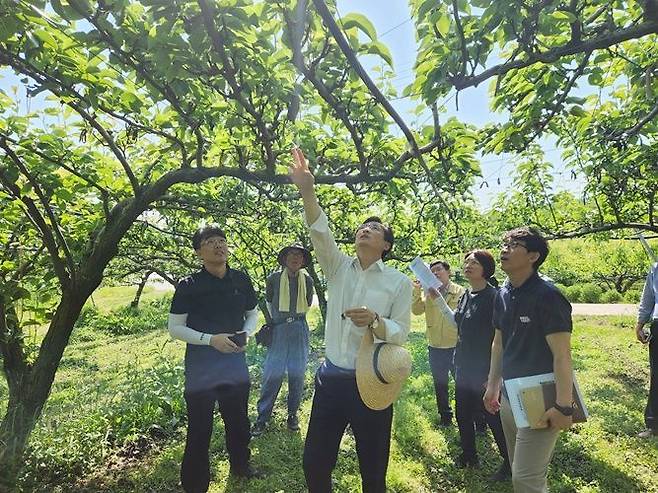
[530, 452]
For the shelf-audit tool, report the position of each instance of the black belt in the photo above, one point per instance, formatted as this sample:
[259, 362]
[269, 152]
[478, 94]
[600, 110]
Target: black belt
[290, 319]
[328, 369]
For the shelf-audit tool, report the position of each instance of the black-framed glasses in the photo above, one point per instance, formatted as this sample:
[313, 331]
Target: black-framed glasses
[215, 241]
[375, 226]
[512, 244]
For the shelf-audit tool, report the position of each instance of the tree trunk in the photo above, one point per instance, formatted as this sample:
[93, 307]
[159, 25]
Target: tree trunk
[134, 304]
[319, 292]
[29, 386]
[17, 424]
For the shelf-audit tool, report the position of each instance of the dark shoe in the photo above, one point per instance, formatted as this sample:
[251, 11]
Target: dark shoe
[648, 433]
[258, 429]
[249, 472]
[463, 462]
[446, 420]
[504, 473]
[293, 423]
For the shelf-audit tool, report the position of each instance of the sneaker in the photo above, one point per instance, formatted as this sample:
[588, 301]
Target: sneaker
[648, 433]
[463, 462]
[504, 473]
[258, 429]
[293, 423]
[248, 472]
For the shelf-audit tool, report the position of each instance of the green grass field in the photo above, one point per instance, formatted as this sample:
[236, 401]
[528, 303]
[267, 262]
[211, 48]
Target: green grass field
[115, 422]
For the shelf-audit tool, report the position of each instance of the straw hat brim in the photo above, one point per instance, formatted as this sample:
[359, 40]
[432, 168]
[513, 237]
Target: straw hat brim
[374, 393]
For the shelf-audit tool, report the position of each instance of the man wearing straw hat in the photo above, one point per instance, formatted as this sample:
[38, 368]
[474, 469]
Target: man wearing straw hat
[360, 377]
[289, 293]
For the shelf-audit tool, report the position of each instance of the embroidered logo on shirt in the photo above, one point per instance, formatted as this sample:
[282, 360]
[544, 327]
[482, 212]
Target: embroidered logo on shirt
[524, 319]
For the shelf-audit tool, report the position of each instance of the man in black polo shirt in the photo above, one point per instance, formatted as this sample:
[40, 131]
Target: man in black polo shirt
[214, 310]
[533, 336]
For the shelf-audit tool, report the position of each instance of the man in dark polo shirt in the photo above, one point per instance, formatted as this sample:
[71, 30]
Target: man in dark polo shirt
[533, 336]
[213, 311]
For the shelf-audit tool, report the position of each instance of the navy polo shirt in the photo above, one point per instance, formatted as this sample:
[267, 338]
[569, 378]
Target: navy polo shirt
[476, 331]
[214, 305]
[526, 315]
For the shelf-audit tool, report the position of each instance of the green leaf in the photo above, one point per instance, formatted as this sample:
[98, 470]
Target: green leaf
[380, 49]
[361, 22]
[425, 7]
[562, 15]
[443, 24]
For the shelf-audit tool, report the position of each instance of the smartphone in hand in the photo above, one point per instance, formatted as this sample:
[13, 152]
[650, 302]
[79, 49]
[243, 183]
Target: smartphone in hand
[239, 338]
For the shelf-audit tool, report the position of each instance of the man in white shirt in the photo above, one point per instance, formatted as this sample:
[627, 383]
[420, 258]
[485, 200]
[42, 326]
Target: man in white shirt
[363, 294]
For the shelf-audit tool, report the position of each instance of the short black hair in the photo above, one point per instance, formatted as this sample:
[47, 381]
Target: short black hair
[534, 242]
[205, 232]
[388, 232]
[442, 263]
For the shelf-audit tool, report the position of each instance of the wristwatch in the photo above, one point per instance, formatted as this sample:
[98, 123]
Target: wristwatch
[565, 410]
[375, 322]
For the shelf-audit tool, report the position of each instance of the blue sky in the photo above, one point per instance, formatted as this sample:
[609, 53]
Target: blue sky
[392, 19]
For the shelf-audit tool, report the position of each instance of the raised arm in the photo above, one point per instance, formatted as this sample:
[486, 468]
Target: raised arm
[447, 312]
[326, 251]
[303, 179]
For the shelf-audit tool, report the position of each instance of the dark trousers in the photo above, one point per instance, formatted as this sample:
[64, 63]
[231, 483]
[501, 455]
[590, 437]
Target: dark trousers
[468, 404]
[336, 403]
[651, 411]
[232, 401]
[441, 364]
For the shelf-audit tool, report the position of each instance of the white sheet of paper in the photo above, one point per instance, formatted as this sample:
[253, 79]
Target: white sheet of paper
[424, 275]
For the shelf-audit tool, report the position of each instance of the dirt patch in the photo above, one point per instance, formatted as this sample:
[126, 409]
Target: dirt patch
[604, 309]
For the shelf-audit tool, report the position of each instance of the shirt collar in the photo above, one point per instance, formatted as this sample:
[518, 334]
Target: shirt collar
[228, 275]
[527, 284]
[379, 265]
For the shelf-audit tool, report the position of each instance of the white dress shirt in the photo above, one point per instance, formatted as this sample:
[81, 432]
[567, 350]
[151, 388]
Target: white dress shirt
[380, 288]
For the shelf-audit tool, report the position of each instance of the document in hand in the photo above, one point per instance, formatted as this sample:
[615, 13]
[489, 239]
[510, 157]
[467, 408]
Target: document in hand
[530, 397]
[423, 273]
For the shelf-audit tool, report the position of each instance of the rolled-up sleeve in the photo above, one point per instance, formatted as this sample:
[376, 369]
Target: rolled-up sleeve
[326, 251]
[648, 299]
[398, 324]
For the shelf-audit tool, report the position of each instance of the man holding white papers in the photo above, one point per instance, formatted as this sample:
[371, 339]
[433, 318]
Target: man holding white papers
[533, 336]
[441, 335]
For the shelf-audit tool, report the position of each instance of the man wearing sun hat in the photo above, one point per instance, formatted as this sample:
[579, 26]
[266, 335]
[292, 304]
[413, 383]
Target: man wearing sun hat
[369, 315]
[289, 294]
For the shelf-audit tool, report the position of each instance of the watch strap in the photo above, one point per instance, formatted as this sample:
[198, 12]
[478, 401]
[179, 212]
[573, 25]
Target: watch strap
[565, 410]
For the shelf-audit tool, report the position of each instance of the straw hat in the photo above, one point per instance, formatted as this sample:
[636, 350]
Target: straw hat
[381, 370]
[281, 257]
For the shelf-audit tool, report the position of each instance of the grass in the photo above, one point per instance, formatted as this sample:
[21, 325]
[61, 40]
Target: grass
[115, 423]
[109, 298]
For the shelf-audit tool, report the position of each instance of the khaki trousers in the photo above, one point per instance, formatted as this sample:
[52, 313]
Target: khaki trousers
[530, 452]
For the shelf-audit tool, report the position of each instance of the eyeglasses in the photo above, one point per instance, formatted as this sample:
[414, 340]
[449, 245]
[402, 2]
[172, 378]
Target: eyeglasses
[216, 241]
[374, 226]
[511, 245]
